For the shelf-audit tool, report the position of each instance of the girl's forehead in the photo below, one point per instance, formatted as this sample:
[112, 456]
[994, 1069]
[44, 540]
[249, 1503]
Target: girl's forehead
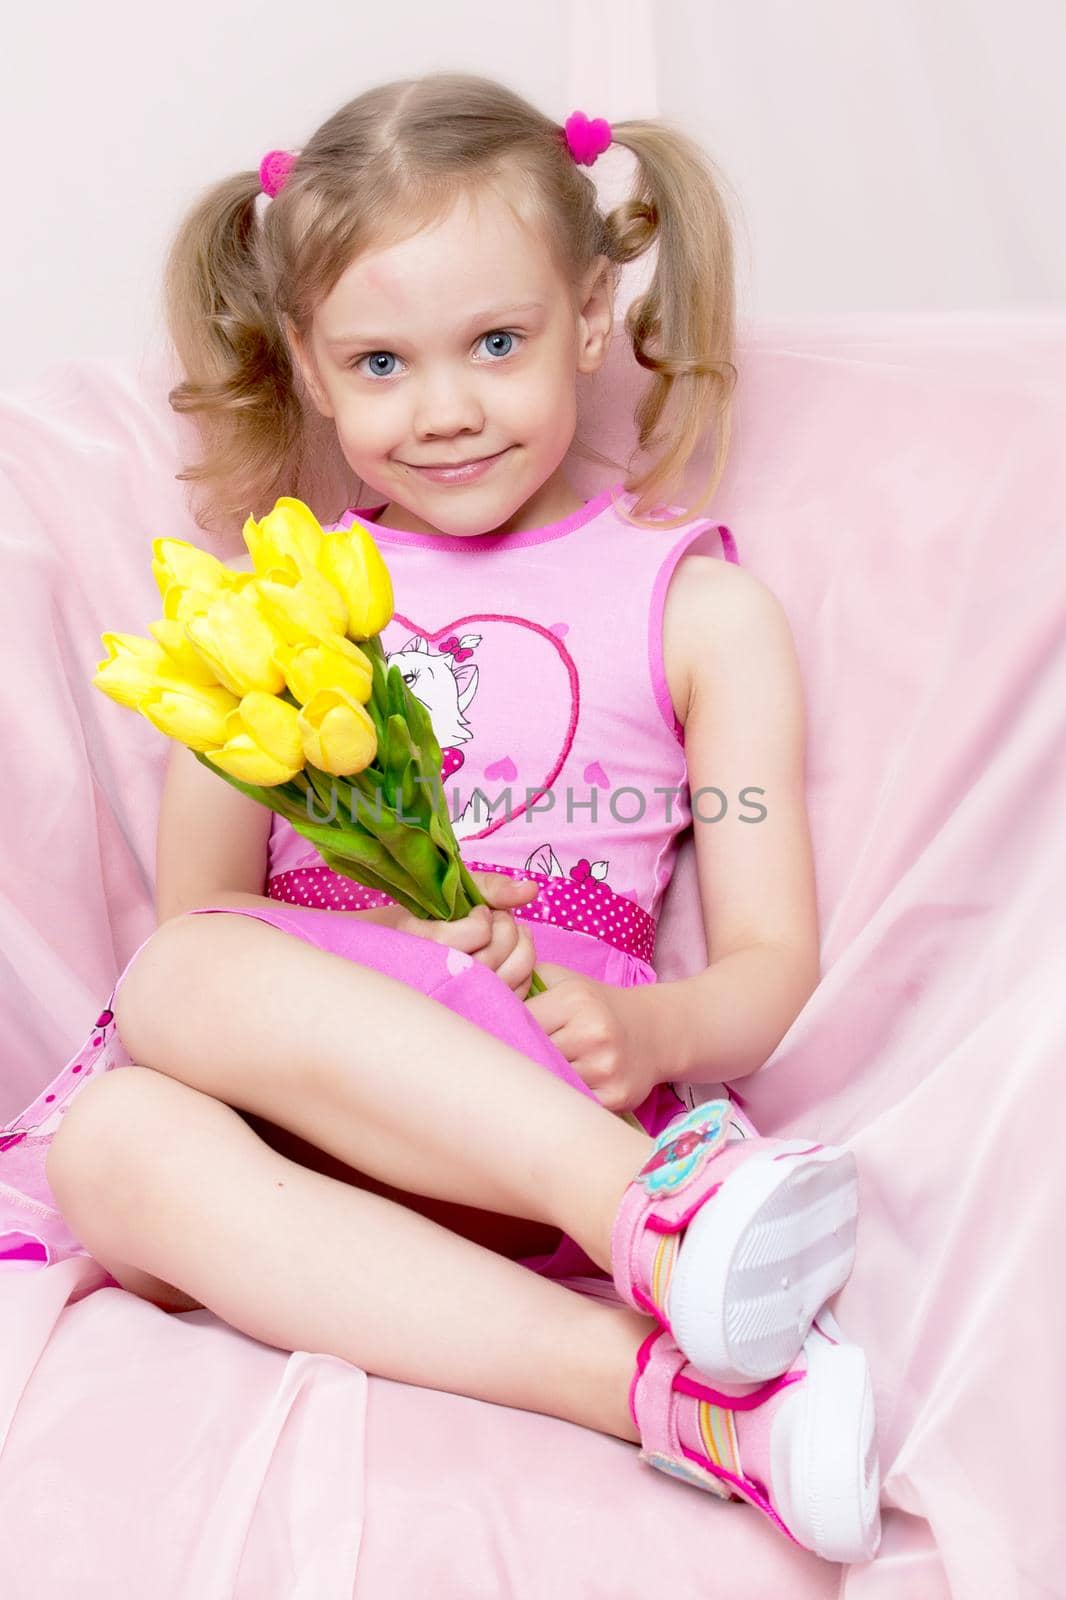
[458, 264]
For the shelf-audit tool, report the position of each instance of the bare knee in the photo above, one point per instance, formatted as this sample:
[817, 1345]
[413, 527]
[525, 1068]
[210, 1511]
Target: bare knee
[158, 981]
[95, 1171]
[100, 1131]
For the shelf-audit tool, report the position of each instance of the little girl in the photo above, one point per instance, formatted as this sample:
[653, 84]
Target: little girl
[344, 1129]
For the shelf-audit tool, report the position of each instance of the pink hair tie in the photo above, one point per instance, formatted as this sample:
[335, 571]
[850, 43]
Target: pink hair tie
[273, 171]
[586, 139]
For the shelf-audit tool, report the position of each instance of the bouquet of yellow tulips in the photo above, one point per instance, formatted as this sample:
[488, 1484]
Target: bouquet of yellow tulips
[277, 680]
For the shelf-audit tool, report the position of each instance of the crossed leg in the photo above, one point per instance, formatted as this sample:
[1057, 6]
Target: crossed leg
[241, 1026]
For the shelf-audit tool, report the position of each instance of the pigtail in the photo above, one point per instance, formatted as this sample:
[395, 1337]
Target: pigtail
[683, 328]
[239, 382]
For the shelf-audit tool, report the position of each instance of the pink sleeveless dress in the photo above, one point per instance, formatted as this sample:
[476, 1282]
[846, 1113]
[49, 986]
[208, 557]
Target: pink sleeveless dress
[539, 656]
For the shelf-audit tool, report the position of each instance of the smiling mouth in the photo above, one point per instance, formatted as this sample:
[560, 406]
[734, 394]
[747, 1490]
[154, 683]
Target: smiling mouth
[452, 466]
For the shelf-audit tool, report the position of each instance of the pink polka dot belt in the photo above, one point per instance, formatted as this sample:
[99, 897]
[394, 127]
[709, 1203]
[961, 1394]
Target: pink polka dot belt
[584, 906]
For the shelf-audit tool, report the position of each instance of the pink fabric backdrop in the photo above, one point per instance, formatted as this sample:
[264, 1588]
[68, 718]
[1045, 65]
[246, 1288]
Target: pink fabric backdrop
[899, 483]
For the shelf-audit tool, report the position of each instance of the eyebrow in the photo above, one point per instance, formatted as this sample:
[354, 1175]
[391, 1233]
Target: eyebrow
[483, 319]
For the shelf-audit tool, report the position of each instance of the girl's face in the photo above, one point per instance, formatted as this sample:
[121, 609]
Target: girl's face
[458, 343]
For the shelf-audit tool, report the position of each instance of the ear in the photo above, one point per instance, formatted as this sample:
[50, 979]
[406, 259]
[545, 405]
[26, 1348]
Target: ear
[595, 316]
[304, 362]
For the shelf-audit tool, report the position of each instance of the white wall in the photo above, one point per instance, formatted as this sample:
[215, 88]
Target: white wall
[882, 153]
[889, 154]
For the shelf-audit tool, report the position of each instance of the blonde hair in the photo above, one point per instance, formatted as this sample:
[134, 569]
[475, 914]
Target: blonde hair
[408, 149]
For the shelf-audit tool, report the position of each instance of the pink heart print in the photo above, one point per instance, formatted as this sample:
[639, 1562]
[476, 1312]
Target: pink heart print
[469, 690]
[586, 139]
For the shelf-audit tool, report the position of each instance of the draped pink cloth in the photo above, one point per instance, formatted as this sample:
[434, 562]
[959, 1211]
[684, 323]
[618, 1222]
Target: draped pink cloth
[898, 483]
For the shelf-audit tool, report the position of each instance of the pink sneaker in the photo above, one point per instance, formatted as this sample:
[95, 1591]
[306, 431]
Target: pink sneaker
[802, 1449]
[734, 1243]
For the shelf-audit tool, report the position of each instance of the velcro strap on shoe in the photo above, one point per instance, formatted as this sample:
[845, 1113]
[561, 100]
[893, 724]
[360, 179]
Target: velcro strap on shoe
[655, 1413]
[671, 1186]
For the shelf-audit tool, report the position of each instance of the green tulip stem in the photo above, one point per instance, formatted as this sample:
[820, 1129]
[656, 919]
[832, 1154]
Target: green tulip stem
[373, 648]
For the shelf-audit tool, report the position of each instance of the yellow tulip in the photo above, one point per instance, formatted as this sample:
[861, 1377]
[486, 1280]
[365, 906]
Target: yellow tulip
[238, 644]
[184, 659]
[177, 561]
[338, 735]
[334, 663]
[195, 713]
[132, 666]
[242, 758]
[183, 601]
[262, 743]
[287, 537]
[353, 564]
[274, 725]
[302, 607]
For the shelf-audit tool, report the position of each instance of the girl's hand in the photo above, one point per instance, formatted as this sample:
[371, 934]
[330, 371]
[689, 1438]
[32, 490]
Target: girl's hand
[489, 933]
[603, 1031]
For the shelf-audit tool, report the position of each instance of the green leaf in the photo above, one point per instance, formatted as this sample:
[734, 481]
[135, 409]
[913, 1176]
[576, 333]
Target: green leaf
[397, 887]
[437, 833]
[396, 750]
[395, 692]
[421, 726]
[414, 798]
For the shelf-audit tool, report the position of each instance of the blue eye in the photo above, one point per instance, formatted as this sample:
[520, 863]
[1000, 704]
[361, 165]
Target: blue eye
[378, 356]
[499, 334]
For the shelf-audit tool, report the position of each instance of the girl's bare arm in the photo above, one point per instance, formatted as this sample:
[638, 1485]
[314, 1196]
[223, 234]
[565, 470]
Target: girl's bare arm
[745, 734]
[211, 845]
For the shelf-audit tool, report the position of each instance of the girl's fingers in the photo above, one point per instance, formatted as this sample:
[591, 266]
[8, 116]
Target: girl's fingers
[501, 892]
[470, 933]
[517, 965]
[494, 949]
[506, 934]
[491, 936]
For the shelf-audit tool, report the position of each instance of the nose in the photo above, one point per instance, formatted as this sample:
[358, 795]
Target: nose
[448, 405]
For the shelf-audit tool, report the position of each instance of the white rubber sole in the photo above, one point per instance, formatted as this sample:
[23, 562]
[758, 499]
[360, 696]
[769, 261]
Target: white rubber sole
[823, 1456]
[760, 1258]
